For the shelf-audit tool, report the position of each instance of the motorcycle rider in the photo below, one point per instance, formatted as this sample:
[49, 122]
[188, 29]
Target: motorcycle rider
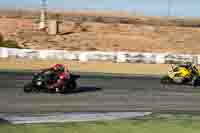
[183, 73]
[187, 65]
[60, 72]
[191, 68]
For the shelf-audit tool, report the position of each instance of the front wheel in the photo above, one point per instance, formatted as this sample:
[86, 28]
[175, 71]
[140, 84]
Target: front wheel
[28, 88]
[165, 79]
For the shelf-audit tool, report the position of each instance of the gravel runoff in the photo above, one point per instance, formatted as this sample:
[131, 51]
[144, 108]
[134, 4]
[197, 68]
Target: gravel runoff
[69, 117]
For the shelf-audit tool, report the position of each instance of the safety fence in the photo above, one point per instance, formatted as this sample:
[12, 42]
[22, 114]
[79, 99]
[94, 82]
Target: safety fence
[86, 56]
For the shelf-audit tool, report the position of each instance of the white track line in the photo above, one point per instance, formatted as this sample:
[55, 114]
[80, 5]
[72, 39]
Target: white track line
[70, 117]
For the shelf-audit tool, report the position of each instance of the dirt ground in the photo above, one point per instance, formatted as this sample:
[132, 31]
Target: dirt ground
[88, 36]
[102, 67]
[139, 37]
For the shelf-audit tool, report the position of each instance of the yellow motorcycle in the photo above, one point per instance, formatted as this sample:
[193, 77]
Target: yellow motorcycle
[182, 74]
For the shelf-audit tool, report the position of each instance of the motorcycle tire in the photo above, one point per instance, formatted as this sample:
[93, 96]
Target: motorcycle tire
[69, 87]
[72, 85]
[195, 81]
[28, 88]
[165, 79]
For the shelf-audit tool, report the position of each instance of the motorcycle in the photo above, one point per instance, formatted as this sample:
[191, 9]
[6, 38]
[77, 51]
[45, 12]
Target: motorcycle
[182, 75]
[40, 81]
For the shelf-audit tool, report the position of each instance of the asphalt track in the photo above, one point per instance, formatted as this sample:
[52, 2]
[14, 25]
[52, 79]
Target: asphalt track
[99, 93]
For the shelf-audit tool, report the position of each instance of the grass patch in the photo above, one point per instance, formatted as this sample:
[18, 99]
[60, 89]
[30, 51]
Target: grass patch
[153, 125]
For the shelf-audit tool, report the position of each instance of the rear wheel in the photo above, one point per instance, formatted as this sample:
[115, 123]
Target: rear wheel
[195, 81]
[70, 86]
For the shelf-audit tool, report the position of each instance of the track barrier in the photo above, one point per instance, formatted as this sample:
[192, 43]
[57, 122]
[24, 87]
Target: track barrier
[87, 56]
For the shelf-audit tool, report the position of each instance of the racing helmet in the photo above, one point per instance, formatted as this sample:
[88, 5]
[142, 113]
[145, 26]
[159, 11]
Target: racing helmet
[58, 68]
[189, 63]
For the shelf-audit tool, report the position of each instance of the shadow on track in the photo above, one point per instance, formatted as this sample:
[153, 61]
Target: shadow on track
[2, 121]
[180, 85]
[80, 89]
[83, 89]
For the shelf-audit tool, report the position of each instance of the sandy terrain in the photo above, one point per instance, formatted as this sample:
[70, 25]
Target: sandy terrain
[102, 67]
[139, 36]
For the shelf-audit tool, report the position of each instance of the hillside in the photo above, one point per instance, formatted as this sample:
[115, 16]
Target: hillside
[121, 32]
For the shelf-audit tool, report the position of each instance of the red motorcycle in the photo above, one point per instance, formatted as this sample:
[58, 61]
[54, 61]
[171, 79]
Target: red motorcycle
[41, 81]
